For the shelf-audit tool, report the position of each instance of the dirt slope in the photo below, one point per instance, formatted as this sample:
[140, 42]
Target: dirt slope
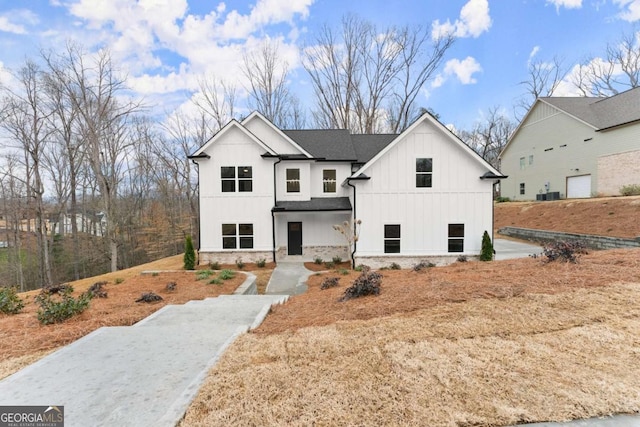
[609, 216]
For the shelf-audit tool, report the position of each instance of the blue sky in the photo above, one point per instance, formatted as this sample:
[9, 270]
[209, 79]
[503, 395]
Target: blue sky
[165, 45]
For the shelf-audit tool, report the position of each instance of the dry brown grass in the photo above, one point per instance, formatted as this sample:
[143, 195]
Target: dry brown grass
[607, 216]
[471, 344]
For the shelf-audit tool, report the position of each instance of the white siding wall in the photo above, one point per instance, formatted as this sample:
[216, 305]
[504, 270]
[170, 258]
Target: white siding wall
[343, 170]
[270, 136]
[216, 207]
[391, 197]
[305, 181]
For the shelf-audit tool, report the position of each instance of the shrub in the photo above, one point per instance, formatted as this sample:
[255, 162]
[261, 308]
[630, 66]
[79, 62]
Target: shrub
[10, 302]
[486, 251]
[343, 271]
[171, 286]
[239, 263]
[118, 280]
[630, 190]
[58, 309]
[329, 282]
[227, 274]
[462, 258]
[214, 265]
[422, 265]
[216, 281]
[261, 263]
[501, 199]
[203, 274]
[336, 260]
[368, 283]
[317, 260]
[97, 290]
[155, 274]
[189, 254]
[394, 266]
[361, 267]
[329, 265]
[149, 297]
[567, 251]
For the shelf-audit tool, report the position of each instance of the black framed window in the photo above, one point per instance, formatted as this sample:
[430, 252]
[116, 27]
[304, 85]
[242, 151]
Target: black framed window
[229, 239]
[237, 236]
[228, 176]
[392, 238]
[245, 232]
[293, 180]
[456, 237]
[329, 180]
[522, 188]
[245, 179]
[424, 172]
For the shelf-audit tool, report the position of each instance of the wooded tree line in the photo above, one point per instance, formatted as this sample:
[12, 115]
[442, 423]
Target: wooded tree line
[91, 183]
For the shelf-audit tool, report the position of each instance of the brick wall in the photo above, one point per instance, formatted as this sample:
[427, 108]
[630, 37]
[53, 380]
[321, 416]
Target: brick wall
[617, 170]
[591, 241]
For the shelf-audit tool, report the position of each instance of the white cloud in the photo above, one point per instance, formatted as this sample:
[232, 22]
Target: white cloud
[15, 21]
[534, 52]
[463, 70]
[474, 20]
[631, 9]
[141, 34]
[568, 4]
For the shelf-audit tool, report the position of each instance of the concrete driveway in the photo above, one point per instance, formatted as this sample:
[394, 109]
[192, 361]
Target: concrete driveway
[508, 249]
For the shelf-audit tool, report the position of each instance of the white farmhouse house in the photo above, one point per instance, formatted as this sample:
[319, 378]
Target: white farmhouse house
[574, 147]
[276, 194]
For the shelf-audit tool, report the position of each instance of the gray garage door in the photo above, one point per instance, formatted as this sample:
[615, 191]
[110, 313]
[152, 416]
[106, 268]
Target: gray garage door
[578, 187]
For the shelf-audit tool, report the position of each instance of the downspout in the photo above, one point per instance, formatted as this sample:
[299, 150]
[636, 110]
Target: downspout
[273, 215]
[199, 218]
[355, 242]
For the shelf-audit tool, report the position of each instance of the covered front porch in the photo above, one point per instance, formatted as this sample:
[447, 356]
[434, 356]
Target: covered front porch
[303, 230]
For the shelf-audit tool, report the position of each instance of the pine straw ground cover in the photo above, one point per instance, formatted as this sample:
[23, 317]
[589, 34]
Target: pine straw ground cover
[471, 344]
[24, 340]
[604, 216]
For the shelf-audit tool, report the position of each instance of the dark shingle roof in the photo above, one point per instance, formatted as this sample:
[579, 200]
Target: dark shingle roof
[340, 144]
[602, 113]
[315, 204]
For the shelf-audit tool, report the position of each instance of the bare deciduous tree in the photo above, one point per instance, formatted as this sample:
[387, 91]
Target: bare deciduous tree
[267, 76]
[489, 136]
[25, 119]
[368, 80]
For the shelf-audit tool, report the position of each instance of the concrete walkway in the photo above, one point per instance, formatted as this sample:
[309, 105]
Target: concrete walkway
[613, 421]
[141, 375]
[288, 278]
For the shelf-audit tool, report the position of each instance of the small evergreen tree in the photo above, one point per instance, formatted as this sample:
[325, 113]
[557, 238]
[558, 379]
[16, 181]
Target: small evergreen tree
[189, 254]
[486, 253]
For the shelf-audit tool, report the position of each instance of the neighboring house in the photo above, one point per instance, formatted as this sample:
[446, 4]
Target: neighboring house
[573, 148]
[93, 224]
[276, 194]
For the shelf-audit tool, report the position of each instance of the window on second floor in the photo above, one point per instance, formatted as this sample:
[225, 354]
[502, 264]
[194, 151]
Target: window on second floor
[293, 180]
[236, 179]
[329, 180]
[424, 172]
[522, 163]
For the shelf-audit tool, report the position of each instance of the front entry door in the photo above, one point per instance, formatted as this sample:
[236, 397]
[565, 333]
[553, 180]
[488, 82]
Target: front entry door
[294, 238]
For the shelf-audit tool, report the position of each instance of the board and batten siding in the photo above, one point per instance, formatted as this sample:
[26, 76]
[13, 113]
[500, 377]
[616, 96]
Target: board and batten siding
[216, 208]
[458, 196]
[270, 136]
[343, 170]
